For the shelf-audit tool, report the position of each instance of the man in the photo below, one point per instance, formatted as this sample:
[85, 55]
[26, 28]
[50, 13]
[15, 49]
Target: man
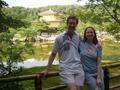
[66, 45]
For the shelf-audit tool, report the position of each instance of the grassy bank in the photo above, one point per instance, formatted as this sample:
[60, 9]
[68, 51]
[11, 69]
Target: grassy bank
[111, 51]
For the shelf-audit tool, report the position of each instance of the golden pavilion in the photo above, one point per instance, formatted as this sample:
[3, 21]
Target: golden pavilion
[51, 17]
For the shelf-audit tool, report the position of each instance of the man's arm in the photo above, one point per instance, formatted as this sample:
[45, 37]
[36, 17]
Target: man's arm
[50, 61]
[51, 57]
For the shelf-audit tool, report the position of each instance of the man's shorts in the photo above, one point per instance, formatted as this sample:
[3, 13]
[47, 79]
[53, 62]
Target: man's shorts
[77, 79]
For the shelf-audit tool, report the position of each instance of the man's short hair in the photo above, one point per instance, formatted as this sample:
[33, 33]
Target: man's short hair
[72, 17]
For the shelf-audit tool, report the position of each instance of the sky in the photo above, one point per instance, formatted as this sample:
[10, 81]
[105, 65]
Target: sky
[42, 3]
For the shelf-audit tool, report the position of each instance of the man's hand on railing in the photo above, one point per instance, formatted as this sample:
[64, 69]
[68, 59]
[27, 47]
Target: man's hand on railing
[43, 73]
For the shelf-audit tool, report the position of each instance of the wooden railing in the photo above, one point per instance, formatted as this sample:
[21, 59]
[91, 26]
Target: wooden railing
[38, 79]
[107, 76]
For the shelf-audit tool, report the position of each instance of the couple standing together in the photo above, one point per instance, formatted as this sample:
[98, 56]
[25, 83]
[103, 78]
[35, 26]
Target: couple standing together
[80, 60]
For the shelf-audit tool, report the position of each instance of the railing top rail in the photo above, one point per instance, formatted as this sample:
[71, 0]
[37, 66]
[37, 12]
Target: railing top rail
[27, 77]
[116, 76]
[111, 65]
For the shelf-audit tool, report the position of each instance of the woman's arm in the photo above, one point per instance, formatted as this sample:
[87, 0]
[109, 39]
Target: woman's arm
[99, 58]
[98, 67]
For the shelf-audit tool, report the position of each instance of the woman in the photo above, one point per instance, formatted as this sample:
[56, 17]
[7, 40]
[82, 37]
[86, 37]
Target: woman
[90, 52]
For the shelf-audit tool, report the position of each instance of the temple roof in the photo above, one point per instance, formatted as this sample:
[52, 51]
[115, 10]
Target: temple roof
[55, 20]
[48, 12]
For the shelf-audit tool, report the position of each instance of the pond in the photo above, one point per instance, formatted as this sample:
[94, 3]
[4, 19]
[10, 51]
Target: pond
[33, 63]
[42, 52]
[40, 56]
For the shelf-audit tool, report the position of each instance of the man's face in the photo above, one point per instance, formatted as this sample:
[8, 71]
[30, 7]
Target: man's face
[72, 23]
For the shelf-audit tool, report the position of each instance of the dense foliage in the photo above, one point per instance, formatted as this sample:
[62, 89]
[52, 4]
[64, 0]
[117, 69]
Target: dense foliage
[10, 52]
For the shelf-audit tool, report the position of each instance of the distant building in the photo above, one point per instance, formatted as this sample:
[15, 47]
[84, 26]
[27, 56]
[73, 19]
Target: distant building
[51, 17]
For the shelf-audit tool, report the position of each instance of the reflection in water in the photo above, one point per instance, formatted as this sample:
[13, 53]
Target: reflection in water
[41, 51]
[40, 56]
[33, 63]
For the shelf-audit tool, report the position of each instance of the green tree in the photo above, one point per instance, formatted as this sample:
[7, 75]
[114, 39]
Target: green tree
[110, 14]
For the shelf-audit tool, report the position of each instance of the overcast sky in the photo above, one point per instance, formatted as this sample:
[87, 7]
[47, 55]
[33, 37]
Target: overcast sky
[41, 3]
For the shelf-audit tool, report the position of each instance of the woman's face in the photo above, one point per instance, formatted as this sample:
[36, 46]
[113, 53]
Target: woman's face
[90, 34]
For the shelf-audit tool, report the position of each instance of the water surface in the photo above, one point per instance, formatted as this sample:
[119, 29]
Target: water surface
[34, 63]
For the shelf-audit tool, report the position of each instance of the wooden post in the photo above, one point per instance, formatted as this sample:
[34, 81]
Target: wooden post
[106, 78]
[38, 83]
